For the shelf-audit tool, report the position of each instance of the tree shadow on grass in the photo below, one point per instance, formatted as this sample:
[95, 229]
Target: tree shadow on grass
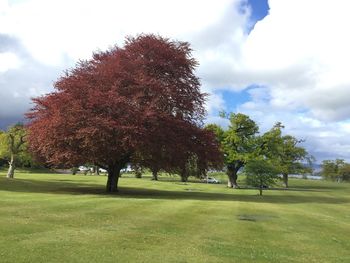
[340, 186]
[66, 187]
[295, 187]
[237, 195]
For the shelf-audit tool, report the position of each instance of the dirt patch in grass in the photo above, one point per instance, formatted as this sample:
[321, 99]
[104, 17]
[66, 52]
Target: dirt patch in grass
[255, 217]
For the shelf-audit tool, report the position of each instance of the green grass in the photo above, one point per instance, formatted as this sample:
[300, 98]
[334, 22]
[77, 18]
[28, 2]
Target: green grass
[66, 218]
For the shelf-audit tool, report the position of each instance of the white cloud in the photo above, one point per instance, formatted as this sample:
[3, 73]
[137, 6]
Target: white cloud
[8, 61]
[300, 50]
[215, 103]
[51, 30]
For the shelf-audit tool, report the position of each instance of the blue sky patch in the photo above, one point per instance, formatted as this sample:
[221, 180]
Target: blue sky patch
[235, 98]
[259, 9]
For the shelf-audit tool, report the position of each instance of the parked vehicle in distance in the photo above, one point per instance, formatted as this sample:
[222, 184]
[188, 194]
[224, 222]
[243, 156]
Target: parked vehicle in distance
[101, 170]
[211, 180]
[127, 169]
[84, 168]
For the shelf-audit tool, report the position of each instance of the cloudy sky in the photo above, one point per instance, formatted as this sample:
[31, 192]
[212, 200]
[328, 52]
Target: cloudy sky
[285, 60]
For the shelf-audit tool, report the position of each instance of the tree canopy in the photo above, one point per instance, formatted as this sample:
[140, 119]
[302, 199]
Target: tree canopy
[238, 143]
[13, 147]
[241, 143]
[336, 170]
[286, 154]
[139, 102]
[261, 173]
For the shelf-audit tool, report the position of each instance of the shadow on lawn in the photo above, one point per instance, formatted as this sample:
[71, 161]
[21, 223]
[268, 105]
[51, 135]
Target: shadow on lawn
[335, 186]
[237, 195]
[67, 187]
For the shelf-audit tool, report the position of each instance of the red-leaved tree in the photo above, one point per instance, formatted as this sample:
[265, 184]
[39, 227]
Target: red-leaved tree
[109, 110]
[179, 144]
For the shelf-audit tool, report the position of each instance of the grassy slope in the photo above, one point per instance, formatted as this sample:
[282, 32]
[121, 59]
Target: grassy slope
[65, 218]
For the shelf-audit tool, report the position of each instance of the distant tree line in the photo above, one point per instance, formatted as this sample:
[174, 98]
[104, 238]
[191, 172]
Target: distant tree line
[336, 170]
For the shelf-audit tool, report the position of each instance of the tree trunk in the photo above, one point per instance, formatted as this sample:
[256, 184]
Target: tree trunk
[11, 170]
[138, 172]
[112, 181]
[97, 169]
[285, 180]
[260, 190]
[183, 175]
[232, 178]
[155, 175]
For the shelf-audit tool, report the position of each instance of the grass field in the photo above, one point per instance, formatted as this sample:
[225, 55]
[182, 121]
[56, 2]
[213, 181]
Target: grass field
[66, 218]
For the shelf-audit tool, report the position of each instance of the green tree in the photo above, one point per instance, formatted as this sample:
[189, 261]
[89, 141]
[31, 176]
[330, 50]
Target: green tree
[191, 168]
[344, 172]
[261, 173]
[336, 170]
[285, 153]
[13, 147]
[238, 143]
[138, 170]
[3, 148]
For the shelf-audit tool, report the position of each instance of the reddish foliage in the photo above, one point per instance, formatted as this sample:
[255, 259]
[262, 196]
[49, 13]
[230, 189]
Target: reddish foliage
[140, 100]
[179, 142]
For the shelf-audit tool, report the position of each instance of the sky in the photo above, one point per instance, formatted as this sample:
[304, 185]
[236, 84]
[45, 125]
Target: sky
[281, 60]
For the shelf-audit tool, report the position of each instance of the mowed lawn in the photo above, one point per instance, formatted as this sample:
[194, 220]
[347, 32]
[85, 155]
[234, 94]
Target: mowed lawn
[66, 218]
